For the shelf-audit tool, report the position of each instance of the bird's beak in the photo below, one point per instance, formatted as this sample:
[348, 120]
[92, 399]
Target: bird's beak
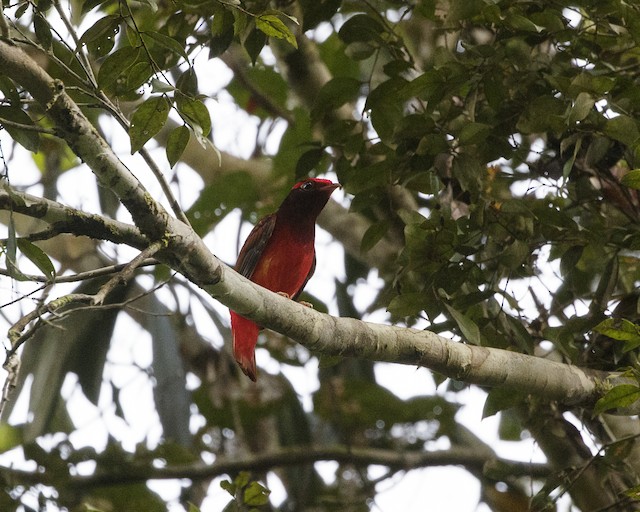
[330, 187]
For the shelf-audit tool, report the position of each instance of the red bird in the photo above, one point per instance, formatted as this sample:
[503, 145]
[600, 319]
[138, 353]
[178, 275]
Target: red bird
[279, 254]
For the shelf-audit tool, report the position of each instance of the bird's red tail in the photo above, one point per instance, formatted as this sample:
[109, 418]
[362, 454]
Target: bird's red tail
[245, 336]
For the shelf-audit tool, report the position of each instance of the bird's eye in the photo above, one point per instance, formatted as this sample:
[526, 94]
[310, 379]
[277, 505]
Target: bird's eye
[307, 186]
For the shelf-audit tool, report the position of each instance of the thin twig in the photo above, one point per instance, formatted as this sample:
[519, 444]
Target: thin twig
[24, 296]
[63, 65]
[27, 127]
[17, 339]
[83, 276]
[173, 202]
[126, 273]
[82, 57]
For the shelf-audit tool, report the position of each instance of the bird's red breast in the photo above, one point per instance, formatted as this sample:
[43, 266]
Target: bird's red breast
[279, 254]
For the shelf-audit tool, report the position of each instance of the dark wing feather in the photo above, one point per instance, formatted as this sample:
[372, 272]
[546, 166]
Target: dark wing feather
[313, 269]
[254, 246]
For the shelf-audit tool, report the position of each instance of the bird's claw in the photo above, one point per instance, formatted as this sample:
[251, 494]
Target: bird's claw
[303, 302]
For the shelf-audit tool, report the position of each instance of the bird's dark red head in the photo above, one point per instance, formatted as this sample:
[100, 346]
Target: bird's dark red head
[308, 197]
[316, 184]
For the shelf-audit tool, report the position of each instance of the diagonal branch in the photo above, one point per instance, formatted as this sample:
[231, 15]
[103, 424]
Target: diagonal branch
[348, 337]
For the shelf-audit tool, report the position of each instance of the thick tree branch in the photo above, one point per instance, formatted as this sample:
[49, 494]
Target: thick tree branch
[65, 219]
[354, 338]
[396, 460]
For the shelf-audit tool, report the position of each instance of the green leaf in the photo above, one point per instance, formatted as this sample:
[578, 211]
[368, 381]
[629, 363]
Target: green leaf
[254, 43]
[100, 37]
[510, 427]
[115, 66]
[194, 113]
[308, 161]
[29, 139]
[618, 329]
[361, 28]
[42, 30]
[499, 399]
[221, 32]
[633, 493]
[515, 254]
[231, 190]
[474, 133]
[468, 327]
[632, 179]
[148, 120]
[621, 330]
[232, 506]
[90, 4]
[581, 108]
[243, 479]
[177, 143]
[10, 437]
[570, 259]
[228, 486]
[335, 93]
[187, 83]
[105, 25]
[542, 114]
[169, 43]
[171, 396]
[273, 26]
[9, 90]
[128, 497]
[12, 253]
[138, 75]
[407, 304]
[256, 494]
[522, 23]
[158, 86]
[387, 106]
[373, 235]
[617, 397]
[37, 257]
[622, 128]
[594, 84]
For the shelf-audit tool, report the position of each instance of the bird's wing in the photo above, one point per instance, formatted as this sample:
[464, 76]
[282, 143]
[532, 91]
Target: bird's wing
[311, 271]
[254, 246]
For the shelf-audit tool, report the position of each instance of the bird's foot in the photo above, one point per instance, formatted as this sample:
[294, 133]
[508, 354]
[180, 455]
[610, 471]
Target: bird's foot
[303, 302]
